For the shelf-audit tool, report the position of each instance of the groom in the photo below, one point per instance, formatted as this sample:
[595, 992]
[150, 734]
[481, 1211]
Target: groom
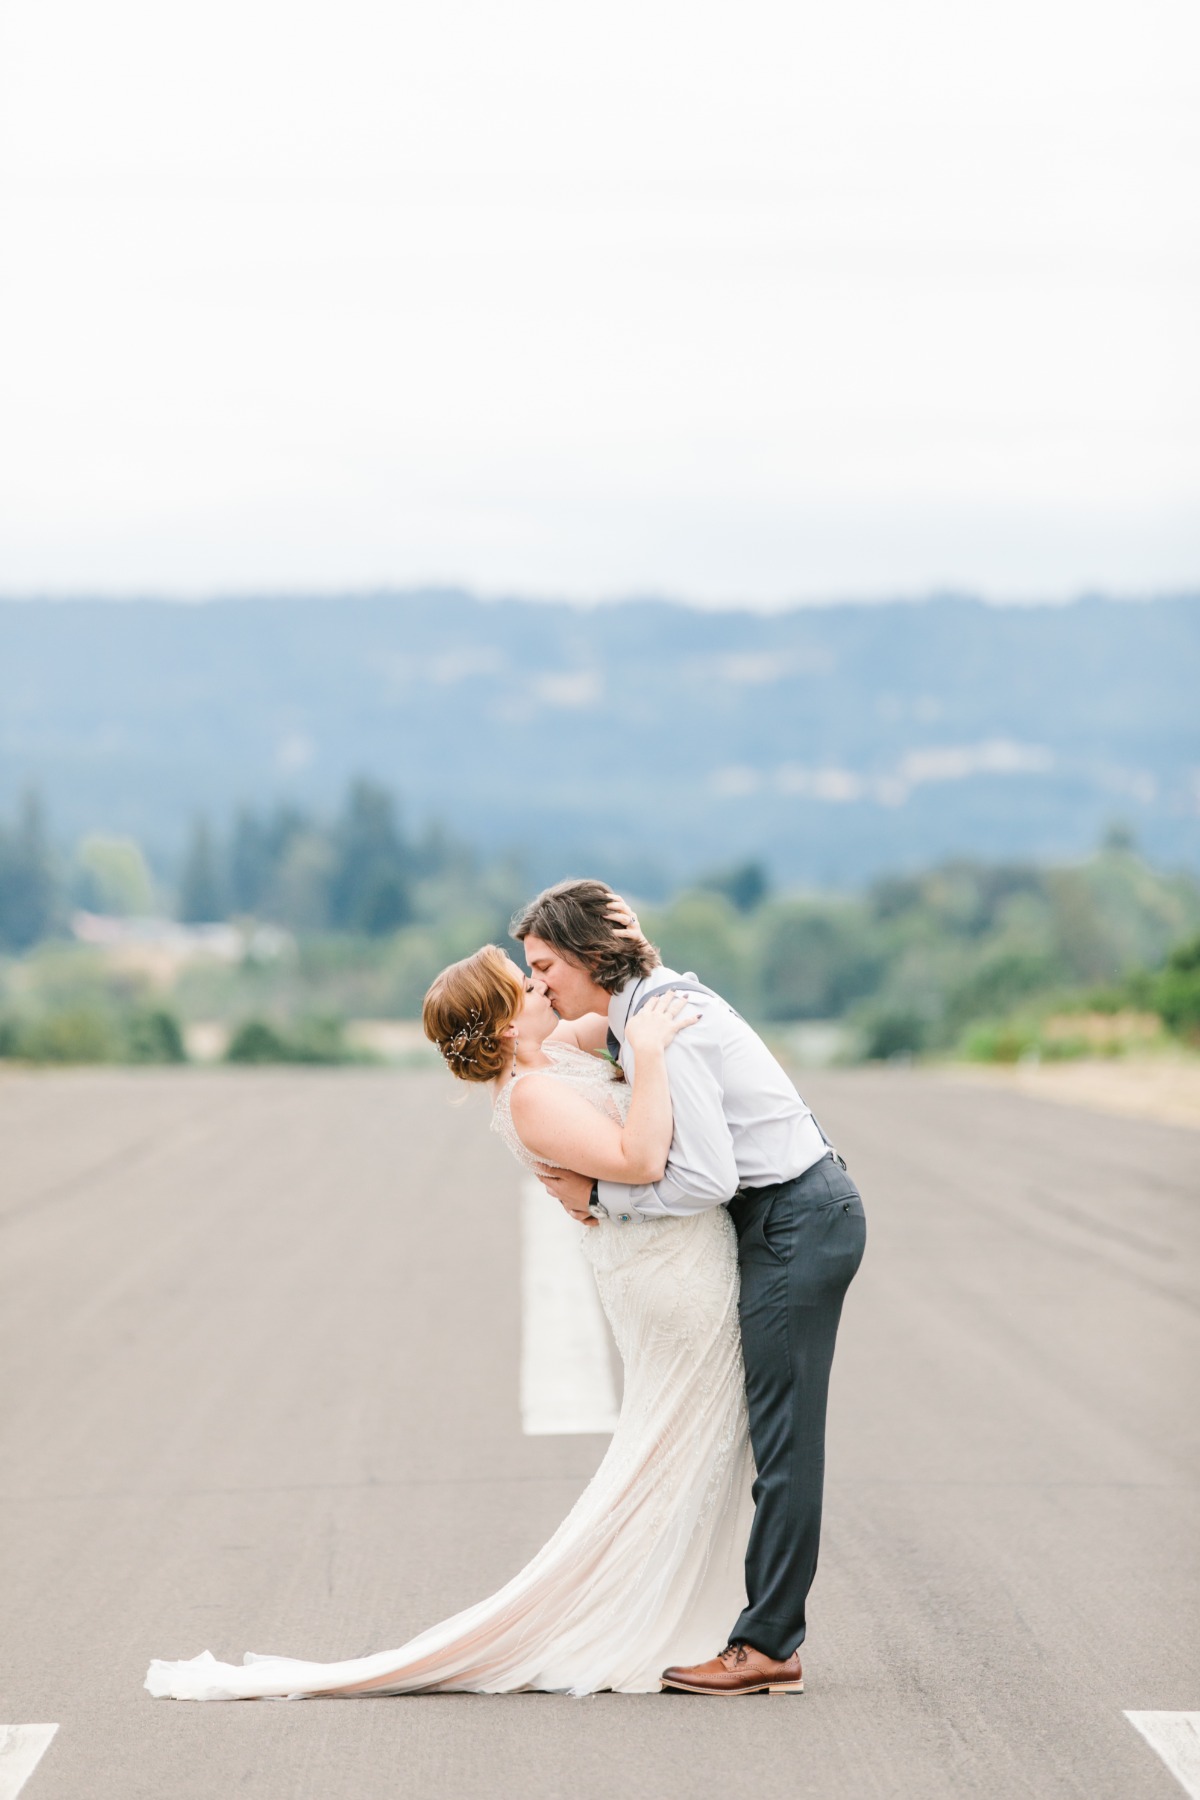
[743, 1138]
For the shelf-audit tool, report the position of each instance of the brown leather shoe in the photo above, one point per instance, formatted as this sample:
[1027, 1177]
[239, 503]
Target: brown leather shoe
[740, 1669]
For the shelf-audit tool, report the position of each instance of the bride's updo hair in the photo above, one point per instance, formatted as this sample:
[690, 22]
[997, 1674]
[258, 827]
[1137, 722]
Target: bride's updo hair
[467, 1008]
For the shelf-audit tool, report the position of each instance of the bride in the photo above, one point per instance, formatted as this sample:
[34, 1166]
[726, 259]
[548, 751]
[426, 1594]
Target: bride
[647, 1568]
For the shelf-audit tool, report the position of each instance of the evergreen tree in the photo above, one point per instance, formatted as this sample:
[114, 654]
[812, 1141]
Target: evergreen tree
[250, 866]
[259, 851]
[370, 890]
[28, 887]
[200, 887]
[746, 885]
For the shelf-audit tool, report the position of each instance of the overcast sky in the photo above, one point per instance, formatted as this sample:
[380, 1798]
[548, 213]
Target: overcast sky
[748, 303]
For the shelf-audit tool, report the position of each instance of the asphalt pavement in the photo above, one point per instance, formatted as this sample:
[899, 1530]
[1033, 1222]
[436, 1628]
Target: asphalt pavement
[259, 1347]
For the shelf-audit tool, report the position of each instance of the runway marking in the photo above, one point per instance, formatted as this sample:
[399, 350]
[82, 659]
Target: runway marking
[22, 1748]
[566, 1376]
[1175, 1737]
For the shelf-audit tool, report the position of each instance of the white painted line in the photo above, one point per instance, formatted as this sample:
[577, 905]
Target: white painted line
[566, 1377]
[1175, 1736]
[22, 1748]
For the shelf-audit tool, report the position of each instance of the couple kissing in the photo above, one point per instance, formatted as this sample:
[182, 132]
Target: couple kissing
[723, 1230]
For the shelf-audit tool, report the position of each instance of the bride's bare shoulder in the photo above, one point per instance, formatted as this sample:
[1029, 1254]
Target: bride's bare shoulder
[587, 1033]
[538, 1095]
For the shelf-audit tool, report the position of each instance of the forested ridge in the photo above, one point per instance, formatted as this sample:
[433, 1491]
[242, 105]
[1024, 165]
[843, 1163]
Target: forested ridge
[833, 744]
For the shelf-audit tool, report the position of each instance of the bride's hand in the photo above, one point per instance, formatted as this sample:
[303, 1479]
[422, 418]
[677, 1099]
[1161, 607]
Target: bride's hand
[661, 1019]
[623, 917]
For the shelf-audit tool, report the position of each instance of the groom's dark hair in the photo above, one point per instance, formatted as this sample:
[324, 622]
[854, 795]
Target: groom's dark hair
[573, 916]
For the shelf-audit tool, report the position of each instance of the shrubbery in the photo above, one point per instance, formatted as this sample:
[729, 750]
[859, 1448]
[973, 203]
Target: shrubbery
[888, 1035]
[1149, 1003]
[1175, 991]
[153, 1035]
[314, 1040]
[94, 1034]
[1019, 1040]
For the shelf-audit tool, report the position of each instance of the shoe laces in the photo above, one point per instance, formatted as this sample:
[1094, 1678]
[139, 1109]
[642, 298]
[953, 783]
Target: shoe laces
[733, 1654]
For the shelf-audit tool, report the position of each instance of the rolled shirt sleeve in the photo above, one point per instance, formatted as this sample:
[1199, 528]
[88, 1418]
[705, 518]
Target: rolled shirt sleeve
[701, 1170]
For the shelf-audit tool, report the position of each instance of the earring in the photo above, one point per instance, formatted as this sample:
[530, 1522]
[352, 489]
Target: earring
[516, 1041]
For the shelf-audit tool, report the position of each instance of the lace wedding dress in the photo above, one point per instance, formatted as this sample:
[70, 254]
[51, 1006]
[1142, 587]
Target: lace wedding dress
[647, 1568]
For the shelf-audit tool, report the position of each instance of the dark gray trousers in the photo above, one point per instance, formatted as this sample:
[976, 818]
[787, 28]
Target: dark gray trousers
[799, 1247]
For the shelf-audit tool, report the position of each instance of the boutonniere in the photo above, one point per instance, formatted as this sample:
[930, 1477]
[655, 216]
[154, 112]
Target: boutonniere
[607, 1056]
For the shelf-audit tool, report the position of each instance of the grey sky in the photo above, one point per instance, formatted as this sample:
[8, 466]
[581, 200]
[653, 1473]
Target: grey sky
[739, 303]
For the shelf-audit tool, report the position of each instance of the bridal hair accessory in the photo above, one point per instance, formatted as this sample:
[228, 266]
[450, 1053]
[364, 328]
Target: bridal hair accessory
[458, 1049]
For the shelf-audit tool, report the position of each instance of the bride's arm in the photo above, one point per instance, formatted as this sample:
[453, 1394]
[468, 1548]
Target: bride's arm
[588, 1033]
[560, 1126]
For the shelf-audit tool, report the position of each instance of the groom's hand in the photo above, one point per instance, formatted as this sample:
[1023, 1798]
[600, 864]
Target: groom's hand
[571, 1190]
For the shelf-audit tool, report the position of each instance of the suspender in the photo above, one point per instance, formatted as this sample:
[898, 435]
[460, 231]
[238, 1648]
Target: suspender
[613, 1042]
[689, 985]
[685, 985]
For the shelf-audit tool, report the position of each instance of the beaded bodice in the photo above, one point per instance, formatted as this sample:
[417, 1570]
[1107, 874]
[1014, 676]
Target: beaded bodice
[591, 1076]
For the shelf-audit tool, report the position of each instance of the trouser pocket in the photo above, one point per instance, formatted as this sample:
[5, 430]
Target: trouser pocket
[829, 1247]
[819, 1218]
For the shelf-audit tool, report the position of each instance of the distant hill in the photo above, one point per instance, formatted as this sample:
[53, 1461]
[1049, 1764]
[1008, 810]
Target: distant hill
[644, 739]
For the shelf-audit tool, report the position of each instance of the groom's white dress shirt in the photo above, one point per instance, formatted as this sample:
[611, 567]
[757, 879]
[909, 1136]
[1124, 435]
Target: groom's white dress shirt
[739, 1122]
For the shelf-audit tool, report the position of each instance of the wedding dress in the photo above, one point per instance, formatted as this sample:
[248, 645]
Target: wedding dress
[647, 1568]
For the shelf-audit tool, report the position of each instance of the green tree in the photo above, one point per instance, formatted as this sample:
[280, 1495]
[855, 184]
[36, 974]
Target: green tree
[816, 959]
[893, 1033]
[257, 1042]
[250, 863]
[311, 1040]
[702, 932]
[152, 1035]
[1083, 945]
[113, 877]
[29, 892]
[959, 897]
[300, 889]
[259, 850]
[746, 885]
[1003, 978]
[1119, 839]
[201, 896]
[371, 881]
[1176, 991]
[80, 1034]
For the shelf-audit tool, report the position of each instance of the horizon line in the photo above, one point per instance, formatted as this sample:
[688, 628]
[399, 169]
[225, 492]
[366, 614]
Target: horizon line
[449, 590]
